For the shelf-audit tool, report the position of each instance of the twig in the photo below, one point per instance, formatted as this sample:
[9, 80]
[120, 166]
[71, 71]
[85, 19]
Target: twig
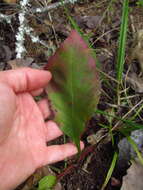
[24, 28]
[20, 49]
[50, 18]
[104, 34]
[52, 6]
[34, 38]
[124, 117]
[6, 18]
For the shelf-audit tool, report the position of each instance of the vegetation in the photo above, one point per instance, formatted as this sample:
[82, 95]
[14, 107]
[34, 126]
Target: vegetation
[74, 86]
[47, 183]
[79, 80]
[140, 3]
[70, 55]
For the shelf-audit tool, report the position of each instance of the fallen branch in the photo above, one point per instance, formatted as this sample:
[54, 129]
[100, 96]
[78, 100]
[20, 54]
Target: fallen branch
[6, 18]
[24, 28]
[20, 38]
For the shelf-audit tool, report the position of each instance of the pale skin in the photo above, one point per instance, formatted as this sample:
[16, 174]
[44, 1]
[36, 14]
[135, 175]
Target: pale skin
[23, 130]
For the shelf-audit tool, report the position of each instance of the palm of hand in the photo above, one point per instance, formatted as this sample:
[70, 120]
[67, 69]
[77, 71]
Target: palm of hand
[26, 136]
[23, 141]
[30, 132]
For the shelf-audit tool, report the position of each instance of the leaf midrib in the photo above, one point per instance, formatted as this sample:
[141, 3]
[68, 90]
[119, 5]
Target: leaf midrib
[72, 93]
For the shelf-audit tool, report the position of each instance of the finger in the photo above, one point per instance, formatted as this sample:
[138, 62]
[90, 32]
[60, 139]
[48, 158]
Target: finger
[37, 92]
[52, 131]
[57, 153]
[25, 79]
[44, 108]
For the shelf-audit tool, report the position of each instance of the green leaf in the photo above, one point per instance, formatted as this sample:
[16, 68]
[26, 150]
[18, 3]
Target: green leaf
[47, 182]
[129, 127]
[122, 40]
[140, 3]
[126, 127]
[135, 147]
[74, 88]
[110, 171]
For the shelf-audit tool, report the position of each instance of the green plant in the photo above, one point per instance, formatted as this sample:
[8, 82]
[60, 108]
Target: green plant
[126, 125]
[135, 147]
[140, 3]
[66, 67]
[110, 171]
[47, 183]
[74, 88]
[122, 45]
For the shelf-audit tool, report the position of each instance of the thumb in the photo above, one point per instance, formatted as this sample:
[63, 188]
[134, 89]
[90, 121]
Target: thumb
[25, 79]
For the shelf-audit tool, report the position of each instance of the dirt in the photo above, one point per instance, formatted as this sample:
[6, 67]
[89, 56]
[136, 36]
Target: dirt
[102, 23]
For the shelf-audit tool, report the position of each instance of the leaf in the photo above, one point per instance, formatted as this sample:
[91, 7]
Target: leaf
[10, 1]
[135, 147]
[74, 88]
[134, 178]
[135, 82]
[129, 127]
[122, 40]
[110, 171]
[47, 182]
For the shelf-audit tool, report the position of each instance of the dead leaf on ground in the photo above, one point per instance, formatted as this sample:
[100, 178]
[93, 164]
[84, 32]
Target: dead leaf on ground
[137, 50]
[62, 29]
[88, 21]
[134, 178]
[2, 66]
[10, 1]
[27, 62]
[38, 175]
[135, 82]
[115, 182]
[17, 63]
[5, 53]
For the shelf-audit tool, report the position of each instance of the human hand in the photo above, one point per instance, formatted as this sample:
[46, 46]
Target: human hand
[23, 131]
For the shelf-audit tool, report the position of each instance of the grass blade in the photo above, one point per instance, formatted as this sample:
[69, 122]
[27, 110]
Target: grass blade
[134, 146]
[127, 125]
[122, 40]
[75, 26]
[110, 171]
[72, 21]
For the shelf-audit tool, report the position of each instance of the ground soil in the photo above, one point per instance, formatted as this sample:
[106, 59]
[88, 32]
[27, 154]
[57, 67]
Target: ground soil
[102, 23]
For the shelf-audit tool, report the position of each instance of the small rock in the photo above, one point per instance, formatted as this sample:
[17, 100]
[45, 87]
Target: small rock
[126, 152]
